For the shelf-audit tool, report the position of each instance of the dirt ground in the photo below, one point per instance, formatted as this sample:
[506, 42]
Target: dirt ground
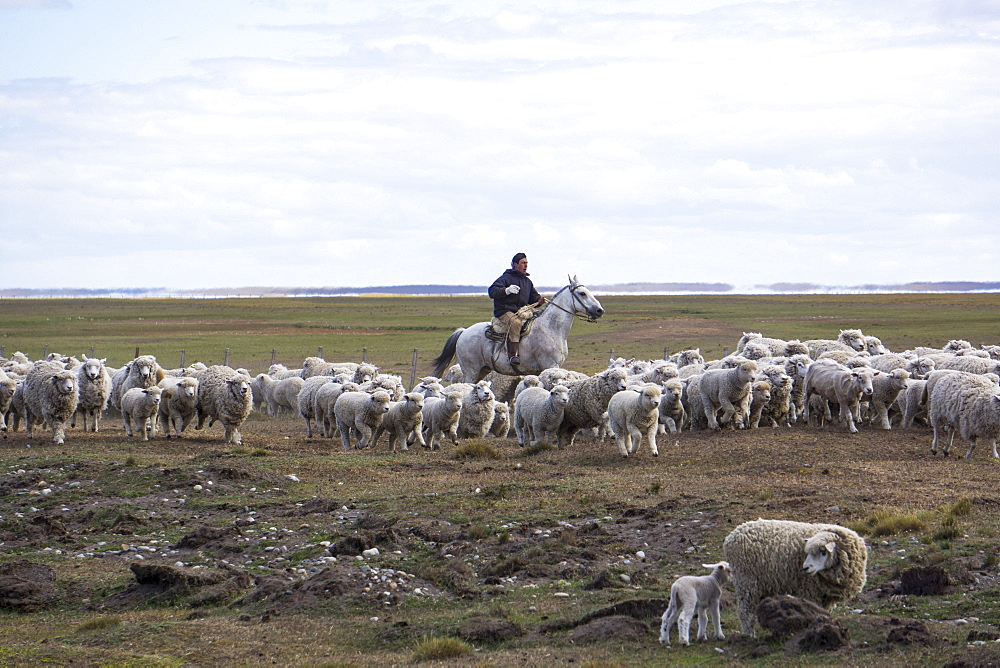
[289, 550]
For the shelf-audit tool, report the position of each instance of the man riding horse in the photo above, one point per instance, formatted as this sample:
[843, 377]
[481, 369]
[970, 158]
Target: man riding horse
[512, 292]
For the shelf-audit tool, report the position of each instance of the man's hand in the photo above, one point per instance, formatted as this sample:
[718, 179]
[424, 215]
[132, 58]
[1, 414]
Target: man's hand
[513, 289]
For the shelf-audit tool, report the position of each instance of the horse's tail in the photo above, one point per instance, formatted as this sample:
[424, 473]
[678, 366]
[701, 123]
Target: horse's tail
[443, 361]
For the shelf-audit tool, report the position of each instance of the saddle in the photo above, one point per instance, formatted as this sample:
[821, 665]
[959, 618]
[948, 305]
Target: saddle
[497, 331]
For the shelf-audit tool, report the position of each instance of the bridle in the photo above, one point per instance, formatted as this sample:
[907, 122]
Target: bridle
[576, 298]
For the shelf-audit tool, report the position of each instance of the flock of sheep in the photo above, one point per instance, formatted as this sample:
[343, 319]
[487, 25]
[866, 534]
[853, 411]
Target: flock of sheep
[767, 382]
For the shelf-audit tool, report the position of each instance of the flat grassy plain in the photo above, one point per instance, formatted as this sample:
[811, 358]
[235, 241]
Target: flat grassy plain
[193, 552]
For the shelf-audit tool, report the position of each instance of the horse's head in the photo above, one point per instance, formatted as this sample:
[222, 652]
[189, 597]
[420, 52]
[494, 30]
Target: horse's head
[584, 301]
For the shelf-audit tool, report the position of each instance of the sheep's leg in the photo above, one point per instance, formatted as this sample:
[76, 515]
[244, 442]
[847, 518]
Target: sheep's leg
[883, 416]
[684, 624]
[345, 434]
[846, 414]
[309, 428]
[702, 624]
[717, 620]
[651, 439]
[128, 425]
[972, 446]
[710, 411]
[624, 443]
[667, 621]
[934, 442]
[58, 432]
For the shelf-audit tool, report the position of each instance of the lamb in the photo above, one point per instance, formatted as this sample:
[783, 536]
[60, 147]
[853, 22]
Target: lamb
[839, 385]
[7, 388]
[388, 382]
[280, 371]
[822, 563]
[307, 397]
[143, 371]
[778, 409]
[94, 387]
[634, 416]
[139, 407]
[967, 403]
[280, 394]
[538, 413]
[403, 421]
[692, 594]
[797, 366]
[728, 389]
[478, 411]
[50, 394]
[441, 417]
[553, 376]
[324, 403]
[526, 382]
[775, 347]
[501, 420]
[588, 401]
[693, 403]
[178, 404]
[658, 374]
[687, 358]
[672, 413]
[317, 366]
[760, 397]
[224, 394]
[362, 412]
[885, 389]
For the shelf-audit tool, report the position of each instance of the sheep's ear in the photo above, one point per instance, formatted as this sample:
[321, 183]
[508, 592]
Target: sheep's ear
[831, 547]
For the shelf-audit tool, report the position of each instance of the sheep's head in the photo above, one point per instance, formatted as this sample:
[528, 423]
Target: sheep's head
[560, 394]
[863, 379]
[415, 400]
[65, 382]
[238, 385]
[821, 552]
[853, 338]
[380, 401]
[92, 368]
[720, 571]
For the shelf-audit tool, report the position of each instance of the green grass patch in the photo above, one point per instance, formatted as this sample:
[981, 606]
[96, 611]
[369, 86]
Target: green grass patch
[440, 649]
[476, 449]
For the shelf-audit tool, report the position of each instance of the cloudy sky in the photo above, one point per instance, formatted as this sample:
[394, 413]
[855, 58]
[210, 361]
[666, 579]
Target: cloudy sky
[191, 144]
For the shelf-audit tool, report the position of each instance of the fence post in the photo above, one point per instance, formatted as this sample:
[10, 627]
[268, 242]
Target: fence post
[319, 353]
[45, 352]
[3, 351]
[725, 351]
[611, 355]
[91, 352]
[226, 362]
[136, 352]
[183, 353]
[364, 355]
[413, 370]
[666, 352]
[274, 356]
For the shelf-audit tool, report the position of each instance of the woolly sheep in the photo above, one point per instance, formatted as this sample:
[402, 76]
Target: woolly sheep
[971, 364]
[403, 422]
[797, 366]
[914, 403]
[317, 366]
[388, 382]
[634, 416]
[672, 413]
[307, 397]
[693, 403]
[538, 413]
[966, 403]
[143, 371]
[839, 385]
[478, 411]
[50, 394]
[280, 394]
[526, 382]
[822, 563]
[658, 374]
[778, 409]
[441, 417]
[361, 412]
[692, 594]
[324, 403]
[885, 388]
[17, 411]
[729, 390]
[139, 408]
[588, 401]
[224, 394]
[775, 347]
[556, 376]
[94, 387]
[687, 358]
[760, 397]
[178, 404]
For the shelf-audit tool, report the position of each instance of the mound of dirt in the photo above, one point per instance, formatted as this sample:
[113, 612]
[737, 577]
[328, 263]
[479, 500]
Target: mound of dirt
[619, 627]
[27, 586]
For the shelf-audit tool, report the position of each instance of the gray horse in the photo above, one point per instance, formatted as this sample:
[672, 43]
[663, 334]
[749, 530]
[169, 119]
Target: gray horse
[544, 347]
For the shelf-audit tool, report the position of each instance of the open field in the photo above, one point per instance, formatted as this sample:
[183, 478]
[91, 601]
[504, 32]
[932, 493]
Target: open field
[191, 552]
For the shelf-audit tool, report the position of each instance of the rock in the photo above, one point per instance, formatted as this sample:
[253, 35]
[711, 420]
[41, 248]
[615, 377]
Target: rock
[923, 581]
[786, 615]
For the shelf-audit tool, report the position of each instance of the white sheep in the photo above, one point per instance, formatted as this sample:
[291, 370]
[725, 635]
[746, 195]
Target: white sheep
[728, 390]
[839, 385]
[760, 397]
[686, 358]
[317, 366]
[672, 412]
[224, 394]
[822, 563]
[50, 394]
[692, 594]
[538, 413]
[178, 404]
[324, 403]
[588, 402]
[634, 416]
[478, 411]
[971, 364]
[966, 403]
[441, 417]
[307, 397]
[7, 388]
[775, 347]
[797, 366]
[403, 422]
[280, 394]
[139, 408]
[885, 389]
[143, 371]
[779, 408]
[361, 412]
[94, 387]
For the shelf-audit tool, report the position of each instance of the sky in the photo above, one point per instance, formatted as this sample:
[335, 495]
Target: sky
[191, 144]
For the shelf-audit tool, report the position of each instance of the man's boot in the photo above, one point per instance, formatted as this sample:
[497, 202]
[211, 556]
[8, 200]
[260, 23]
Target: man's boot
[512, 347]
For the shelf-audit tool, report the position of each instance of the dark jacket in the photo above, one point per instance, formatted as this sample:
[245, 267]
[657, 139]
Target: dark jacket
[504, 303]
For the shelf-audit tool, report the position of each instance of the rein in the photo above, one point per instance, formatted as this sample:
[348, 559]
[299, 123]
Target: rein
[576, 299]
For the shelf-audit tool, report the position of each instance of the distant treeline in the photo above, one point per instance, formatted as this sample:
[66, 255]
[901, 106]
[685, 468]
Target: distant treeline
[438, 289]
